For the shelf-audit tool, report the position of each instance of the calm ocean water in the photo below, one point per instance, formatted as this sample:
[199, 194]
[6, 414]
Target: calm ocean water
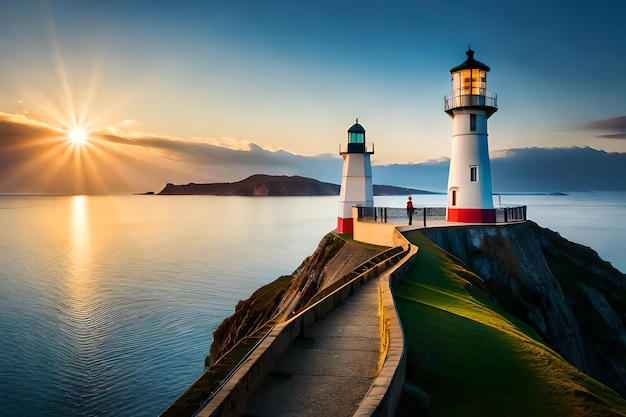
[107, 304]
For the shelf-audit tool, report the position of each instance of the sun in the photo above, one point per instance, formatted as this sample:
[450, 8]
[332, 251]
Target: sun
[78, 136]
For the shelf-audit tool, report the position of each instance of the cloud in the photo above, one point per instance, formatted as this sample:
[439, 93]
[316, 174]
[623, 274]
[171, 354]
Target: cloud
[36, 158]
[614, 136]
[225, 163]
[616, 127]
[16, 127]
[559, 169]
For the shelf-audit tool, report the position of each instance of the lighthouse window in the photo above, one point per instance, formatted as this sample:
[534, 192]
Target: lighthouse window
[473, 173]
[357, 138]
[483, 82]
[472, 123]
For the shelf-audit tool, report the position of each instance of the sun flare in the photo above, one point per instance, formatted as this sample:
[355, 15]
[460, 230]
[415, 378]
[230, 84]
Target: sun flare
[78, 136]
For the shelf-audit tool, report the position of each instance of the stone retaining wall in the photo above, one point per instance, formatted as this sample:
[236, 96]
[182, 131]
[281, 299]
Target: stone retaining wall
[383, 398]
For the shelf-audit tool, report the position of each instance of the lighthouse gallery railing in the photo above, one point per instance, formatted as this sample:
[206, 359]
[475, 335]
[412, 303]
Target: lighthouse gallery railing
[486, 99]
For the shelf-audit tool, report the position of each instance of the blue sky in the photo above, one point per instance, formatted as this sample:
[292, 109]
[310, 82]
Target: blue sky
[293, 75]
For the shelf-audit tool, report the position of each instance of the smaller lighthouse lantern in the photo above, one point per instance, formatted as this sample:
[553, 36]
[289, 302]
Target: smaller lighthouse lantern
[356, 179]
[356, 138]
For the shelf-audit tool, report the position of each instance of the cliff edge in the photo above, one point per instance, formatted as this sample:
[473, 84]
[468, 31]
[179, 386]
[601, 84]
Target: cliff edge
[571, 297]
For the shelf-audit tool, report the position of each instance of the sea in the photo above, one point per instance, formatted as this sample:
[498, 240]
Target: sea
[108, 303]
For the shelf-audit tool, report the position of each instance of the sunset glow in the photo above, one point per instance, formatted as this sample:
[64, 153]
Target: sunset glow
[78, 136]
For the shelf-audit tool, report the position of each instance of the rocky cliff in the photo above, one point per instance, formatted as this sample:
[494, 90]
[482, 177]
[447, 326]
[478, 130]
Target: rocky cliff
[572, 298]
[333, 258]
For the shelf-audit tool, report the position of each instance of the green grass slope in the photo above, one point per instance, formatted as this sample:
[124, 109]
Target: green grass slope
[468, 357]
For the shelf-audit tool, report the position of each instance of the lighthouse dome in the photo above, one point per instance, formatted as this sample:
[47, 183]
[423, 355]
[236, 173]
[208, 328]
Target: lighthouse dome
[470, 63]
[356, 128]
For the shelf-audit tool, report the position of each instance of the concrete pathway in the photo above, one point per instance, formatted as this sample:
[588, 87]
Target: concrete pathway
[329, 370]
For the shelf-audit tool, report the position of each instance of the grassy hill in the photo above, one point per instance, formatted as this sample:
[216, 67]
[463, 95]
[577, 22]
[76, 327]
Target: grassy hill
[468, 357]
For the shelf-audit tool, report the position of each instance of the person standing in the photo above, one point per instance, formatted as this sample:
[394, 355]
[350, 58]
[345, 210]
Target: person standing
[409, 210]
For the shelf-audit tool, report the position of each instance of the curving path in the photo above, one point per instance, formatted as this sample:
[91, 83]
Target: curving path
[329, 370]
[338, 357]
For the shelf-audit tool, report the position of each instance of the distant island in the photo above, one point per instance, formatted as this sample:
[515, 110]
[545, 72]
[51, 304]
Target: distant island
[276, 185]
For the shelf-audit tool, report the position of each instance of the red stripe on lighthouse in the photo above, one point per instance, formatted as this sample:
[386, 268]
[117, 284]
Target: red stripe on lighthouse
[468, 215]
[345, 226]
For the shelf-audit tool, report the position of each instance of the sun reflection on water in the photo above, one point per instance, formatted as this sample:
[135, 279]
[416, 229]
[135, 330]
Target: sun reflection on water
[79, 225]
[80, 285]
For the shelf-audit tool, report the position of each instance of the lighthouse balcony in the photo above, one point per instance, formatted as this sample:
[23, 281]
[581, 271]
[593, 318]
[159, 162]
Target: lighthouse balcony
[356, 148]
[487, 100]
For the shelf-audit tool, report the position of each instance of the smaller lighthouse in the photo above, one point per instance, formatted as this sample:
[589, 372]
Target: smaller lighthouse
[469, 180]
[356, 179]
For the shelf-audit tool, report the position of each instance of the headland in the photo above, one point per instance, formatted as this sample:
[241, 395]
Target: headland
[492, 316]
[276, 185]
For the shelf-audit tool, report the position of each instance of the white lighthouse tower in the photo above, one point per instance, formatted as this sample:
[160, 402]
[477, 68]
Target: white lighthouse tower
[356, 179]
[469, 181]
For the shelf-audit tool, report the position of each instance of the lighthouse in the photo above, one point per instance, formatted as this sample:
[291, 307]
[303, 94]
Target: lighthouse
[469, 180]
[356, 178]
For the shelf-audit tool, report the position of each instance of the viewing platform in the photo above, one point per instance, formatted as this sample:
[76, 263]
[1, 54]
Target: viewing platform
[377, 225]
[425, 216]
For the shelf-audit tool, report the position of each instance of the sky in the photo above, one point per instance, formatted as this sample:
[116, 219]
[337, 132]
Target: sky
[200, 91]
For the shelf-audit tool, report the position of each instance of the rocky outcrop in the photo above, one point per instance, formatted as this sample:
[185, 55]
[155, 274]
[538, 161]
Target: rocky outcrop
[572, 298]
[333, 258]
[257, 185]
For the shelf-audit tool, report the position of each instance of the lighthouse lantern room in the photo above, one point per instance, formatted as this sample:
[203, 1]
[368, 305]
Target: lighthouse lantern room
[469, 180]
[356, 179]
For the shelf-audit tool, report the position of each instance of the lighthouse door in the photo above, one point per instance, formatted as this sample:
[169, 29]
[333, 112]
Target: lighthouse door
[453, 197]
